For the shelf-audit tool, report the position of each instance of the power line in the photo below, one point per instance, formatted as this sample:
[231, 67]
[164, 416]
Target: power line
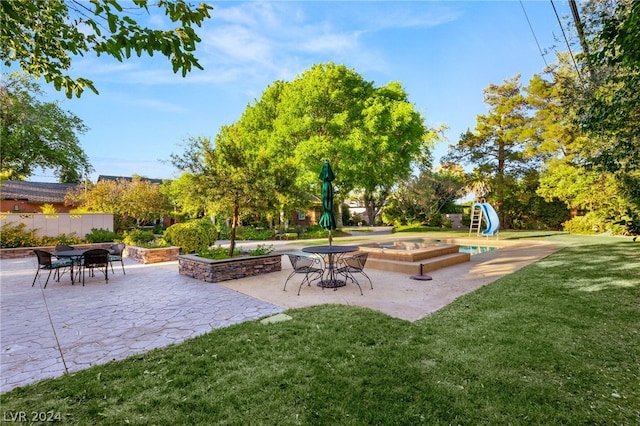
[534, 35]
[575, 64]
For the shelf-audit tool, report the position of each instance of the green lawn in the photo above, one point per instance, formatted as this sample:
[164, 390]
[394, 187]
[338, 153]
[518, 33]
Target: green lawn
[555, 343]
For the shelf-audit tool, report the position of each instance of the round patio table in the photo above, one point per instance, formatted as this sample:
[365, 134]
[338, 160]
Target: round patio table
[74, 255]
[329, 279]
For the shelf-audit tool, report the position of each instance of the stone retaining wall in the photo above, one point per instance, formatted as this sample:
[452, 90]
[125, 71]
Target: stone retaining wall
[17, 253]
[155, 255]
[213, 271]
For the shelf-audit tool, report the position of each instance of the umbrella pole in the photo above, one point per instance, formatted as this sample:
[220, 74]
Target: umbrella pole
[330, 237]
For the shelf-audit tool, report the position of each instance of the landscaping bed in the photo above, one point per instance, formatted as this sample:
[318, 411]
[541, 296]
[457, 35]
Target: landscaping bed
[213, 271]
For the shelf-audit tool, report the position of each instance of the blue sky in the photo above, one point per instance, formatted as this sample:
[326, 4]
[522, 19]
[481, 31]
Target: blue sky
[443, 52]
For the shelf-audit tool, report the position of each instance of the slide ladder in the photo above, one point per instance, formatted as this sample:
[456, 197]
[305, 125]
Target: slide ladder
[484, 212]
[476, 219]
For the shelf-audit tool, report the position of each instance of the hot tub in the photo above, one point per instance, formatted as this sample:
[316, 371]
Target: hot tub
[408, 250]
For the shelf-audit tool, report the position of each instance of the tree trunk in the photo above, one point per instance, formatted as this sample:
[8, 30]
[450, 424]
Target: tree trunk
[234, 226]
[339, 223]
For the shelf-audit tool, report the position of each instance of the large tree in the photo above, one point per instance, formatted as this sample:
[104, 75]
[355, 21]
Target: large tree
[43, 36]
[497, 147]
[36, 134]
[139, 200]
[371, 135]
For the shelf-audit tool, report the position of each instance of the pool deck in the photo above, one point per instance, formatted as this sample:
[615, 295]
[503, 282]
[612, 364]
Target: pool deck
[54, 331]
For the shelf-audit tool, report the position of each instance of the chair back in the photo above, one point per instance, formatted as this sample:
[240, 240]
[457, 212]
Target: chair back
[44, 257]
[95, 257]
[357, 261]
[300, 263]
[117, 249]
[64, 247]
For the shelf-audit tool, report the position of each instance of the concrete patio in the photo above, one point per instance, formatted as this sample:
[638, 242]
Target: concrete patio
[54, 331]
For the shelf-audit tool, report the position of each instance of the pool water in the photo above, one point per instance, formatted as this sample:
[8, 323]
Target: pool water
[476, 249]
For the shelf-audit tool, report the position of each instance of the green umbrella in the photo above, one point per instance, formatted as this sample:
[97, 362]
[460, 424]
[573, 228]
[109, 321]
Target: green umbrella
[327, 220]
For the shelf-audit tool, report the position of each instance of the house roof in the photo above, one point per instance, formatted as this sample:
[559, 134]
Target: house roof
[128, 178]
[35, 192]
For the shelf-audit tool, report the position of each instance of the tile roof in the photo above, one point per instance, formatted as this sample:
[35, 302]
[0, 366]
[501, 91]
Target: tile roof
[37, 192]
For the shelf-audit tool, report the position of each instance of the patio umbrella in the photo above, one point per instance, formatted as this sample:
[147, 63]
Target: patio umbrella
[327, 220]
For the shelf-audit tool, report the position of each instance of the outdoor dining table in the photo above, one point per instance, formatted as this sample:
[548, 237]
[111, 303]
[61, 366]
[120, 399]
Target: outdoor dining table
[333, 253]
[74, 255]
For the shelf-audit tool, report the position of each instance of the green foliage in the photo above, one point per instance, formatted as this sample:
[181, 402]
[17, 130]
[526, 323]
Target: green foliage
[249, 233]
[138, 237]
[42, 37]
[261, 249]
[139, 200]
[193, 236]
[217, 253]
[100, 236]
[62, 239]
[415, 227]
[14, 236]
[51, 132]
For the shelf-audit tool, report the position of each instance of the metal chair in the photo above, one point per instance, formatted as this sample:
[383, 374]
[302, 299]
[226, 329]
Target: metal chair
[354, 265]
[115, 255]
[48, 262]
[95, 259]
[304, 264]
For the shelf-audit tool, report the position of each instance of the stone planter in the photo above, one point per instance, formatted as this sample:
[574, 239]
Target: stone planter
[213, 271]
[152, 255]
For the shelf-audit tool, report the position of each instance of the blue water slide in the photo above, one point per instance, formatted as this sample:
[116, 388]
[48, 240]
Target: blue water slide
[491, 218]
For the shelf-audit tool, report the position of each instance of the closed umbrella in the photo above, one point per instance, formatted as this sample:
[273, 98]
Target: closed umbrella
[327, 220]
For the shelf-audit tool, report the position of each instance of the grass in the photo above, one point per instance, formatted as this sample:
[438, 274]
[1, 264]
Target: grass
[556, 343]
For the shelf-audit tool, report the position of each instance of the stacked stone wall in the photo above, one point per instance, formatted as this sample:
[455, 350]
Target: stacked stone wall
[17, 253]
[213, 271]
[156, 255]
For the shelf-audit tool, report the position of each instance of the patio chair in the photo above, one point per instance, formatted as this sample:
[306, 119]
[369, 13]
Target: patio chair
[95, 259]
[48, 262]
[348, 266]
[304, 264]
[115, 255]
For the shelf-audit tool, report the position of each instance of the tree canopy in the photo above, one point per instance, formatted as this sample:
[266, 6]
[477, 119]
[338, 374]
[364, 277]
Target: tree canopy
[139, 200]
[37, 134]
[269, 160]
[43, 36]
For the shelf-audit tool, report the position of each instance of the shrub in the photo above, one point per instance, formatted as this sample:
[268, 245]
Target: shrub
[62, 239]
[138, 237]
[100, 236]
[217, 253]
[253, 234]
[261, 249]
[13, 236]
[193, 236]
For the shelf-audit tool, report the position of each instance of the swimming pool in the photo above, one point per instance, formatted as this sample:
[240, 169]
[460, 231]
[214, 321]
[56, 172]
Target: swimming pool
[476, 249]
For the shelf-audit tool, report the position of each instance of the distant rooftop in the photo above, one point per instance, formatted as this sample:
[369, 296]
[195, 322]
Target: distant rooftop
[37, 192]
[128, 178]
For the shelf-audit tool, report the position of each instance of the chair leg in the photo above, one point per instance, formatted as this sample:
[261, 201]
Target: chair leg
[36, 277]
[287, 280]
[48, 276]
[370, 283]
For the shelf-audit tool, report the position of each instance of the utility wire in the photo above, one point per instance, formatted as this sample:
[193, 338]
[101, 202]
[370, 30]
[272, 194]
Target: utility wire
[534, 35]
[566, 40]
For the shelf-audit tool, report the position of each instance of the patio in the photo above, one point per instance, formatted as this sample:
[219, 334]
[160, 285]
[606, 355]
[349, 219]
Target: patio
[64, 328]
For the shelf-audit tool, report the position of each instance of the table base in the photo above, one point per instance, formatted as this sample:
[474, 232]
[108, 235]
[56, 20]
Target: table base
[331, 283]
